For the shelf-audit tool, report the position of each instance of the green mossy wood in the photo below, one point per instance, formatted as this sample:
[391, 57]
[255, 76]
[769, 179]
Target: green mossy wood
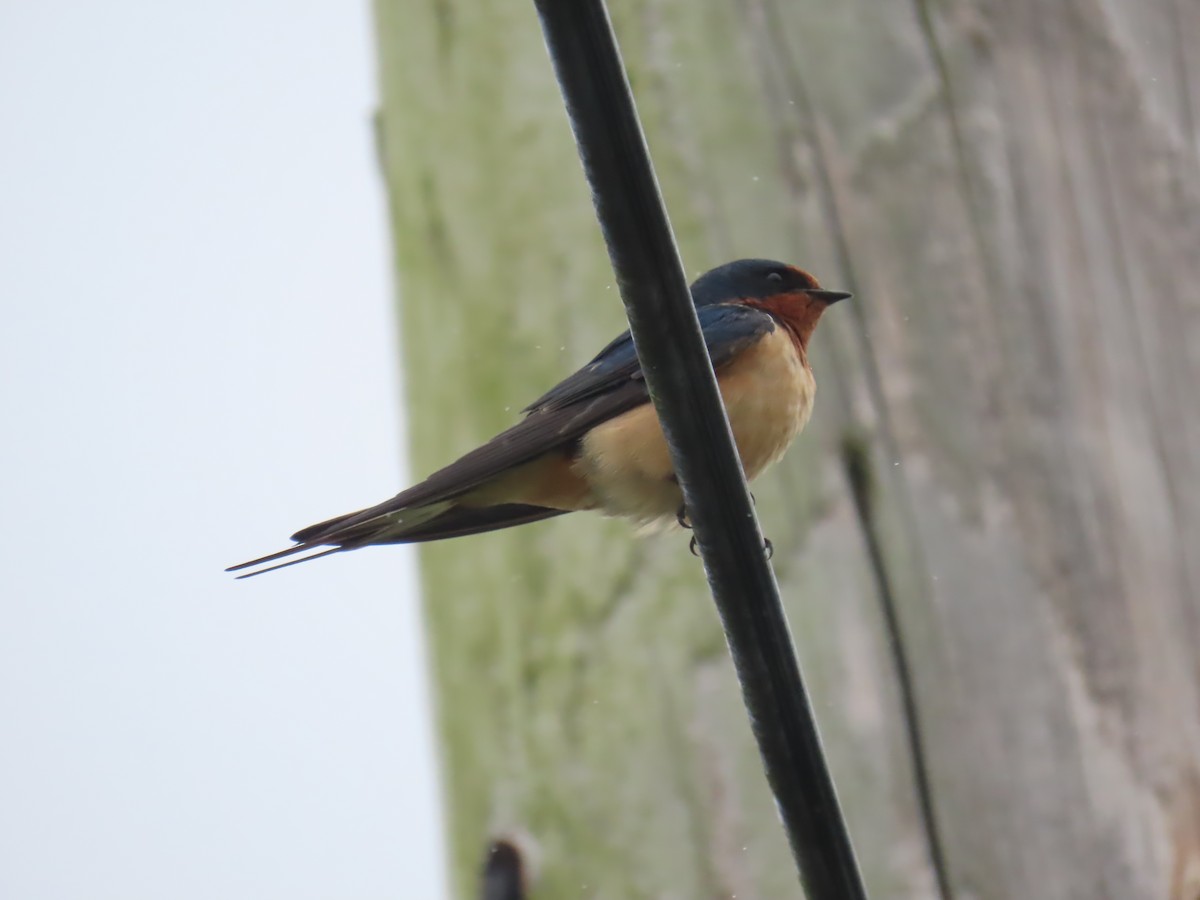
[1007, 438]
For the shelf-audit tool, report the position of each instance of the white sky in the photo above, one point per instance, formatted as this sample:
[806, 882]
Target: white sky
[197, 356]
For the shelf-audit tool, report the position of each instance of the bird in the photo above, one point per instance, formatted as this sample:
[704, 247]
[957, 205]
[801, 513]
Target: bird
[594, 442]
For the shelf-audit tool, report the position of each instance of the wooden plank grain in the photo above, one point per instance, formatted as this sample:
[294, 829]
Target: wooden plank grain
[1036, 337]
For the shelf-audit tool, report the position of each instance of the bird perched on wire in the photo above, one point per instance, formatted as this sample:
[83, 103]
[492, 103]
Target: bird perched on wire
[593, 441]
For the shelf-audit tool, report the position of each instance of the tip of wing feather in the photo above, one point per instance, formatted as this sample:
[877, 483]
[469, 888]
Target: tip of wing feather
[378, 519]
[312, 532]
[346, 533]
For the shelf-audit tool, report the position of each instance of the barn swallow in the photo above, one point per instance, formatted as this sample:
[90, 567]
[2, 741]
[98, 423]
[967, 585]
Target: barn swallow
[593, 441]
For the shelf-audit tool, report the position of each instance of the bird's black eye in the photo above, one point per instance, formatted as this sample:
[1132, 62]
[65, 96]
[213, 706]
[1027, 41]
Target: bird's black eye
[775, 278]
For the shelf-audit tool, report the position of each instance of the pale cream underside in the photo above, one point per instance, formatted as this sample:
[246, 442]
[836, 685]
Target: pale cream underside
[768, 394]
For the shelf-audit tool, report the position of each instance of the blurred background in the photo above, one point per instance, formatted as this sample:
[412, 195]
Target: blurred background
[1001, 476]
[986, 537]
[199, 355]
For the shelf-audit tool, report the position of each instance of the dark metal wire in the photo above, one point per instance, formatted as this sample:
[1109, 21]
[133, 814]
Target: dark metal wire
[680, 378]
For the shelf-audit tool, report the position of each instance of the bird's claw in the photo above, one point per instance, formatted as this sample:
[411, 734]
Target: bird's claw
[682, 519]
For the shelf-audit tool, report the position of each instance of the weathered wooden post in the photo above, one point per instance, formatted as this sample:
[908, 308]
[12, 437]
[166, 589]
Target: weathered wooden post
[1013, 192]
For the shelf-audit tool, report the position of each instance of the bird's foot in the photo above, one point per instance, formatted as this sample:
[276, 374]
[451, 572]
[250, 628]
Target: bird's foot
[682, 519]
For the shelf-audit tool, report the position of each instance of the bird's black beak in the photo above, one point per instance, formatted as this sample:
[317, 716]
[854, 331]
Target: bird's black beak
[828, 297]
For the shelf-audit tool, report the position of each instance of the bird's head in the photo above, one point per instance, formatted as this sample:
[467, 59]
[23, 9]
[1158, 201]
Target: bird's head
[789, 294]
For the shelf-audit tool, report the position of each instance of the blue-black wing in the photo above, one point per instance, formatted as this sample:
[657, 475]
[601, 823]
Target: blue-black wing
[608, 386]
[728, 329]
